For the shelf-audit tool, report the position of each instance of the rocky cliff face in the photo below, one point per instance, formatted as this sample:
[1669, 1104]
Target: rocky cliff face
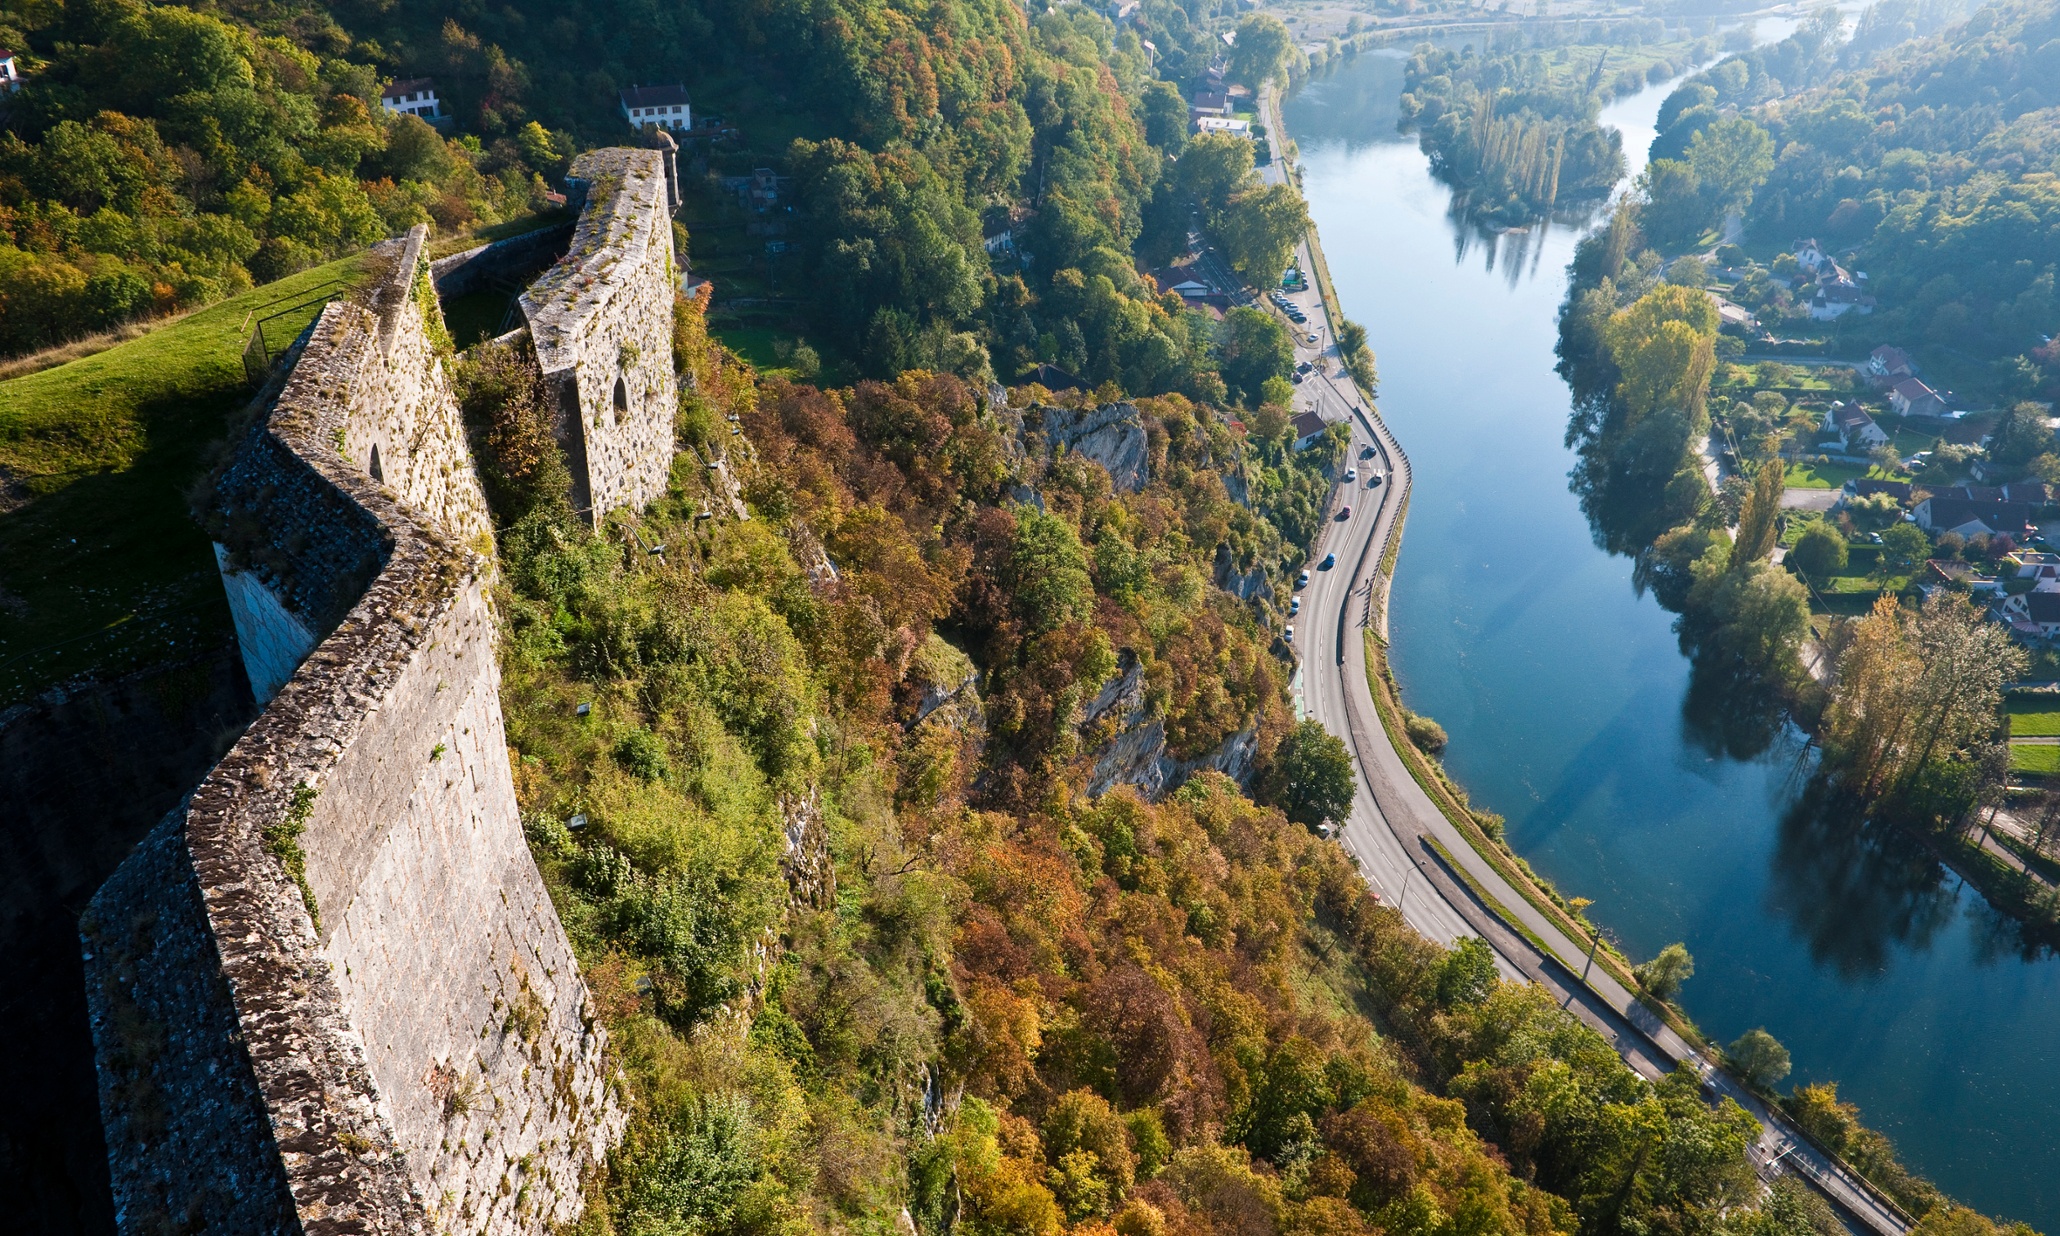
[1111, 435]
[1137, 756]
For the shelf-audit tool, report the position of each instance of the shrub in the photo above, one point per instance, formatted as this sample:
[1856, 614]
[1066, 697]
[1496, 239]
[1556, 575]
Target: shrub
[1429, 737]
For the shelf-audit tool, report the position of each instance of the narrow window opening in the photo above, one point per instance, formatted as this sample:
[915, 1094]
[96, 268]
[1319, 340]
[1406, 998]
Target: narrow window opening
[378, 473]
[621, 399]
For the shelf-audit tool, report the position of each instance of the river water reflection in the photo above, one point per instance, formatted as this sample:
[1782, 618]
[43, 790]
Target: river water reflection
[1572, 712]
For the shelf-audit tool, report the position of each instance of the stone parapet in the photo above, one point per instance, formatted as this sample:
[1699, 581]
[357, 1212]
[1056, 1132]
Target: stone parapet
[331, 994]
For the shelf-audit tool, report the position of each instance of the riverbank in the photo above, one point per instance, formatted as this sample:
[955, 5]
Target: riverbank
[1381, 678]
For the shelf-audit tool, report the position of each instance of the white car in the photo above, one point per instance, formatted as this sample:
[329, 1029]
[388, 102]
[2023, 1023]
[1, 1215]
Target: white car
[1302, 581]
[1351, 474]
[1289, 634]
[1294, 606]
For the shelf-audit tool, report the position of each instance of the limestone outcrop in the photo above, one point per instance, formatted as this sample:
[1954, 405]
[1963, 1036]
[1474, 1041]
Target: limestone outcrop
[1111, 435]
[1135, 752]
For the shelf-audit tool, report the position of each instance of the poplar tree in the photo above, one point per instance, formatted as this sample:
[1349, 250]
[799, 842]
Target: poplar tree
[1758, 518]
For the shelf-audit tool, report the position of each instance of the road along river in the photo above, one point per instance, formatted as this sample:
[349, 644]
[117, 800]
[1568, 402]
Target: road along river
[1570, 710]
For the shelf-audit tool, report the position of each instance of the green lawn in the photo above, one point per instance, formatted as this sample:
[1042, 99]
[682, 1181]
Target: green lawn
[103, 570]
[2031, 718]
[1803, 475]
[2039, 759]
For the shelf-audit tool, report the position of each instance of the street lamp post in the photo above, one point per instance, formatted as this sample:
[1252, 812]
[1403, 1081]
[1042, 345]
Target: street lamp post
[1580, 906]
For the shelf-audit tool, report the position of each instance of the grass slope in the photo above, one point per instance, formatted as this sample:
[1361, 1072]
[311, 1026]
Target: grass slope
[101, 567]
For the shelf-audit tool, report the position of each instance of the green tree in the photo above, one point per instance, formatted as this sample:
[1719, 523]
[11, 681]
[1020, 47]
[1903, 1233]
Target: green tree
[1255, 348]
[1903, 547]
[1164, 114]
[1758, 518]
[1048, 572]
[1260, 230]
[1759, 1058]
[1759, 614]
[1674, 212]
[1466, 975]
[1664, 348]
[2021, 436]
[1664, 974]
[1215, 167]
[1312, 775]
[1263, 49]
[1731, 159]
[1820, 551]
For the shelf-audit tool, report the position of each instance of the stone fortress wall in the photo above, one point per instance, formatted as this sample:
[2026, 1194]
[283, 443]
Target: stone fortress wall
[601, 321]
[330, 993]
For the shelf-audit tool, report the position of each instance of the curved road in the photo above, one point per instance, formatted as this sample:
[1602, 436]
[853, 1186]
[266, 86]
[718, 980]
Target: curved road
[1393, 820]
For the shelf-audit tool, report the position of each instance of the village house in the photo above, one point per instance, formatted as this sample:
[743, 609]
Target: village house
[2042, 569]
[1223, 124]
[1854, 427]
[10, 73]
[1836, 298]
[2035, 615]
[414, 96]
[1943, 572]
[759, 192]
[1810, 255]
[1209, 102]
[1911, 397]
[1731, 313]
[1182, 282]
[1939, 516]
[665, 107]
[2031, 493]
[1308, 429]
[1055, 379]
[1891, 363]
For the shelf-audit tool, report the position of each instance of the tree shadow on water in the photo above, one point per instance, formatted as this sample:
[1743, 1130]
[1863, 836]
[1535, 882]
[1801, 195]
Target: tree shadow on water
[1855, 888]
[1727, 714]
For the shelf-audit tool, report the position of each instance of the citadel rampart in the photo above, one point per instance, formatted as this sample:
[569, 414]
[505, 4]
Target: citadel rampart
[601, 338]
[330, 993]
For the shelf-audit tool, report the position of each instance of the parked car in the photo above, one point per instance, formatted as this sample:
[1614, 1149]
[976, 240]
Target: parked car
[1289, 634]
[1329, 561]
[1302, 580]
[1294, 606]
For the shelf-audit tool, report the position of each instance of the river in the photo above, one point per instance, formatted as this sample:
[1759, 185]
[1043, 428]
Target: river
[1567, 699]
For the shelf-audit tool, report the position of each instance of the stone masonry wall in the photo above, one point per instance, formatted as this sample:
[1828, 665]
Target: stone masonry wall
[601, 320]
[401, 1042]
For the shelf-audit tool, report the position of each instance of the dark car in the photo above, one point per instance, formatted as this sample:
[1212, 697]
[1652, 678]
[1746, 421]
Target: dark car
[1366, 452]
[1374, 481]
[1345, 512]
[1329, 561]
